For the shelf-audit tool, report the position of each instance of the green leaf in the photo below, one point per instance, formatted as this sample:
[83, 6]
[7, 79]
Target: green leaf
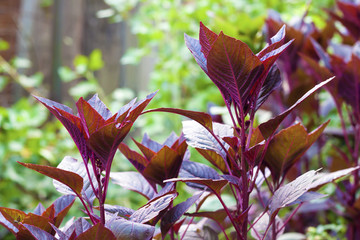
[81, 64]
[83, 89]
[66, 74]
[4, 45]
[95, 60]
[133, 56]
[3, 82]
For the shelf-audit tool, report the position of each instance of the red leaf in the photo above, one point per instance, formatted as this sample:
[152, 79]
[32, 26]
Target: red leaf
[203, 118]
[218, 215]
[153, 208]
[234, 68]
[206, 39]
[138, 108]
[268, 128]
[288, 146]
[134, 157]
[70, 179]
[106, 140]
[175, 213]
[89, 117]
[164, 165]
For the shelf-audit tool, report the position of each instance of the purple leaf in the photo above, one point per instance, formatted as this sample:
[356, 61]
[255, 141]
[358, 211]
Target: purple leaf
[234, 69]
[195, 49]
[39, 209]
[307, 197]
[160, 165]
[60, 233]
[97, 232]
[324, 178]
[271, 82]
[268, 128]
[62, 206]
[214, 185]
[191, 169]
[124, 229]
[153, 208]
[199, 137]
[275, 42]
[38, 233]
[150, 144]
[321, 53]
[214, 158]
[79, 226]
[70, 179]
[232, 179]
[289, 193]
[100, 107]
[138, 108]
[91, 120]
[96, 133]
[71, 122]
[164, 165]
[119, 210]
[135, 158]
[174, 214]
[52, 106]
[133, 181]
[72, 165]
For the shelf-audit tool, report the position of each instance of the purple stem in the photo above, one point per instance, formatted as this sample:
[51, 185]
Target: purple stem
[238, 231]
[288, 219]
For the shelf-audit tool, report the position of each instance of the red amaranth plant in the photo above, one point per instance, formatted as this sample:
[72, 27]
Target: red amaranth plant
[246, 157]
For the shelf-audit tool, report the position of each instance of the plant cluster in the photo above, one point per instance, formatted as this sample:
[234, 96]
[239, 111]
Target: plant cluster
[317, 54]
[250, 161]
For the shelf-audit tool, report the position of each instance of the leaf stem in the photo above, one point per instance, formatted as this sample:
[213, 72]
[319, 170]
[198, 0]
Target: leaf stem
[238, 231]
[288, 219]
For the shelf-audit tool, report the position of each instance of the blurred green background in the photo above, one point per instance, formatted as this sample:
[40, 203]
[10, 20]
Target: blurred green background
[120, 49]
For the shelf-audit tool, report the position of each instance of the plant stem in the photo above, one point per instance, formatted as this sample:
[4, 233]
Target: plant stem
[101, 201]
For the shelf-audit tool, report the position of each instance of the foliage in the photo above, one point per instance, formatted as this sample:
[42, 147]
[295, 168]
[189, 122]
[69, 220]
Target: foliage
[256, 187]
[319, 53]
[241, 154]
